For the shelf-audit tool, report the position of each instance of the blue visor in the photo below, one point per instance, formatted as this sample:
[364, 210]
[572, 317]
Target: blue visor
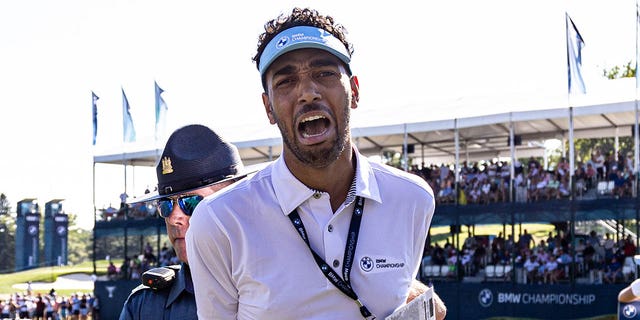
[301, 37]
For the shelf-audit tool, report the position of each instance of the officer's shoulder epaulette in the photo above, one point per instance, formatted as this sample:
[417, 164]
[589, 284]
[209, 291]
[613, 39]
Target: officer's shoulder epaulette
[139, 288]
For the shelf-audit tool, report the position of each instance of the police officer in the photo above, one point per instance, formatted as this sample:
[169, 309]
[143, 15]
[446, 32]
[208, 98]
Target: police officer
[195, 163]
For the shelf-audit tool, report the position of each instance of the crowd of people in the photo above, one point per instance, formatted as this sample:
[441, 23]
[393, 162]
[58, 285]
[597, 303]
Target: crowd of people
[486, 182]
[78, 306]
[132, 268]
[548, 261]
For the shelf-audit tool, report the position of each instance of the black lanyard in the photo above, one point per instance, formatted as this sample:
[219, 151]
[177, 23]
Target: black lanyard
[349, 254]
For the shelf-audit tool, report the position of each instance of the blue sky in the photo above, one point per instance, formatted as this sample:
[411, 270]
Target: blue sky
[412, 53]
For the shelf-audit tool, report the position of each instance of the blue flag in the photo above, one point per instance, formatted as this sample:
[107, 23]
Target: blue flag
[129, 132]
[94, 106]
[161, 112]
[575, 43]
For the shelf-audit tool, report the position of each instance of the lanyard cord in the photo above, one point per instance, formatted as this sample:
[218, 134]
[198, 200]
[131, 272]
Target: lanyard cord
[349, 254]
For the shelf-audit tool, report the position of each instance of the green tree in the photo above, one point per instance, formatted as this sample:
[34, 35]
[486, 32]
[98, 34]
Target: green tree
[7, 236]
[616, 72]
[80, 247]
[584, 147]
[5, 206]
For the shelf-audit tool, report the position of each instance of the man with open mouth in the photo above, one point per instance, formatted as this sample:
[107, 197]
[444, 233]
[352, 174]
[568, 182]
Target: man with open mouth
[322, 232]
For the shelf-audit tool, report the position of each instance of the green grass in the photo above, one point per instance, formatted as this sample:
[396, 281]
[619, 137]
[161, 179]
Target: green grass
[537, 230]
[50, 274]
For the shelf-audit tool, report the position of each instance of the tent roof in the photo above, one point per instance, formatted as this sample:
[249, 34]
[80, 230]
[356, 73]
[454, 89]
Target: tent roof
[481, 137]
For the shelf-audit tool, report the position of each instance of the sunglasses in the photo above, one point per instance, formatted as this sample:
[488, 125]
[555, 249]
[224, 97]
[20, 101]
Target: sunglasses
[186, 203]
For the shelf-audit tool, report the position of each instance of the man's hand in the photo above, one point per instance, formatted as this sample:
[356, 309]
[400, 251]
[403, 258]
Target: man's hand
[418, 288]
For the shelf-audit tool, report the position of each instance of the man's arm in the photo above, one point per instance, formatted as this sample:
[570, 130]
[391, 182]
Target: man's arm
[418, 288]
[630, 293]
[209, 255]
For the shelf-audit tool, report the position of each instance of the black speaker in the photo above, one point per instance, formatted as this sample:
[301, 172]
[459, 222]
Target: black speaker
[411, 148]
[517, 141]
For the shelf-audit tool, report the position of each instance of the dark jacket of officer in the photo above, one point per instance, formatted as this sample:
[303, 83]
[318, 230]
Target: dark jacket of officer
[176, 302]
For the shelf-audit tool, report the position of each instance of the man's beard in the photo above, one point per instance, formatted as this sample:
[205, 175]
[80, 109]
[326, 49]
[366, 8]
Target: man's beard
[317, 157]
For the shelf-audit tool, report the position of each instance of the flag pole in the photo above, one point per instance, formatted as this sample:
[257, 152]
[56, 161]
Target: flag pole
[636, 134]
[571, 142]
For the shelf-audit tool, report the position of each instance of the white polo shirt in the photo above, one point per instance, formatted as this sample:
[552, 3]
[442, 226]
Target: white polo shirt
[248, 261]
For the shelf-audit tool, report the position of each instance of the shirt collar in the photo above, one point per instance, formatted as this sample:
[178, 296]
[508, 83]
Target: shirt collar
[291, 193]
[182, 284]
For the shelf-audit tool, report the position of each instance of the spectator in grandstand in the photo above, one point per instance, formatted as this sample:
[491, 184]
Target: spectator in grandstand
[613, 270]
[474, 190]
[541, 246]
[564, 260]
[525, 240]
[487, 194]
[594, 239]
[610, 163]
[608, 246]
[195, 163]
[629, 162]
[531, 266]
[479, 254]
[437, 255]
[589, 256]
[597, 160]
[579, 250]
[629, 246]
[446, 193]
[520, 184]
[581, 180]
[498, 253]
[562, 169]
[621, 183]
[541, 185]
[592, 175]
[534, 165]
[553, 186]
[550, 268]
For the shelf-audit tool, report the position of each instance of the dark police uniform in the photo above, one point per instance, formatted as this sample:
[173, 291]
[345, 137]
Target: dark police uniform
[175, 302]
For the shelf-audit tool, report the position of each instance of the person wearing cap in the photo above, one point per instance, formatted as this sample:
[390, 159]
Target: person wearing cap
[195, 163]
[322, 232]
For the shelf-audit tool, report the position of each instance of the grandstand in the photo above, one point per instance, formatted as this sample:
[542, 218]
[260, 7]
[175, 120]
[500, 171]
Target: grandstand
[488, 139]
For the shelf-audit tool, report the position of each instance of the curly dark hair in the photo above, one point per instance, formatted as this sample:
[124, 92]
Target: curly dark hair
[300, 17]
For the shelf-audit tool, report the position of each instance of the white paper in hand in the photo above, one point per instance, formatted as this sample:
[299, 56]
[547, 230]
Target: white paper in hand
[420, 308]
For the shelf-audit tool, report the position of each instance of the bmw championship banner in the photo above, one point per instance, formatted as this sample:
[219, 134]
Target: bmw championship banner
[59, 245]
[558, 301]
[31, 239]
